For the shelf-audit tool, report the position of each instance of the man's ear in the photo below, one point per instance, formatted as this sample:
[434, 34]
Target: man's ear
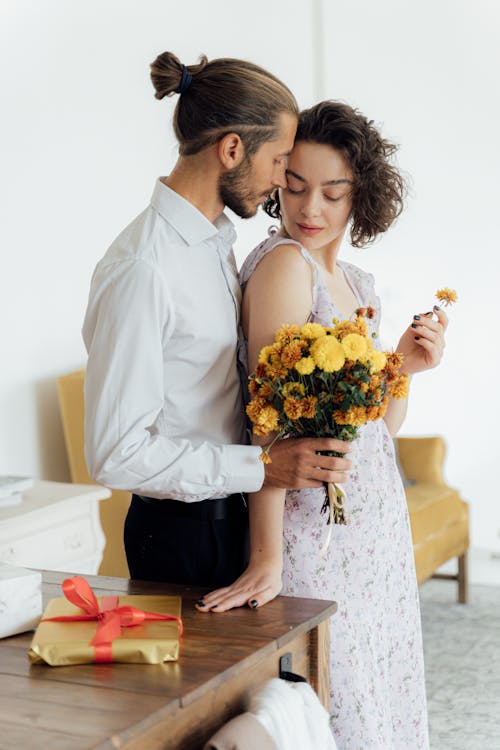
[231, 151]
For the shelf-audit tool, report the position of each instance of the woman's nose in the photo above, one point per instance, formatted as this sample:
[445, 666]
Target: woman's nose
[310, 206]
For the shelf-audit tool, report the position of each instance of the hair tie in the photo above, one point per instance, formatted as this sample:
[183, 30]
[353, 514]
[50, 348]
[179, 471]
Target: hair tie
[185, 81]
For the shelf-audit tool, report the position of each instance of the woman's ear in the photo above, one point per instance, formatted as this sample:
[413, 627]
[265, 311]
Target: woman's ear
[231, 151]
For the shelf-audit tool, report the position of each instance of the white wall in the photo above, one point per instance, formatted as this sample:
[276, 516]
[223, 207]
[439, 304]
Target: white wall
[427, 72]
[82, 140]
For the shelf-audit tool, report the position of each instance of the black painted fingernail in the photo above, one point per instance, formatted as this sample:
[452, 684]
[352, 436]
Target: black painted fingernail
[429, 313]
[416, 317]
[214, 607]
[253, 603]
[436, 307]
[413, 325]
[417, 338]
[201, 603]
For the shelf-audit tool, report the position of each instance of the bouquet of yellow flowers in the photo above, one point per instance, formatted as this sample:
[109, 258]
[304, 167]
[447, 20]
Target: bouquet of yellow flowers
[317, 381]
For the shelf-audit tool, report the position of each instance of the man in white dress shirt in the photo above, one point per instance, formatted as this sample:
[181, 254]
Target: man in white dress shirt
[163, 397]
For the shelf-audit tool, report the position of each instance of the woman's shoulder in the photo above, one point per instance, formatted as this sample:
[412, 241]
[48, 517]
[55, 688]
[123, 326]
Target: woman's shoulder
[276, 250]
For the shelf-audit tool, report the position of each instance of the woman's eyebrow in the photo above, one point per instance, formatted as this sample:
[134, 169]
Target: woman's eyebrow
[323, 184]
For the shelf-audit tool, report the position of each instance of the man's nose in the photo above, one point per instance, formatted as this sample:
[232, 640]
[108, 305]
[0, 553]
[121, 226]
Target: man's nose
[279, 176]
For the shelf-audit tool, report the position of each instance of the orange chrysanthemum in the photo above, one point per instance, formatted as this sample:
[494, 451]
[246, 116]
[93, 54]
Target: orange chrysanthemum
[400, 387]
[345, 327]
[309, 407]
[355, 416]
[286, 333]
[292, 353]
[292, 408]
[448, 296]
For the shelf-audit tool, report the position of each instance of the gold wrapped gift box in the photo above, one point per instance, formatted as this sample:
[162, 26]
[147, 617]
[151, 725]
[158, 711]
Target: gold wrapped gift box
[151, 642]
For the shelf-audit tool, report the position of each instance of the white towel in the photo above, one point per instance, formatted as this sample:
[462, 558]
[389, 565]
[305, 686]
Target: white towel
[293, 715]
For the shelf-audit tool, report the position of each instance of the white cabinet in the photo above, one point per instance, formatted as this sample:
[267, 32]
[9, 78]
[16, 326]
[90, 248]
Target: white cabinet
[55, 527]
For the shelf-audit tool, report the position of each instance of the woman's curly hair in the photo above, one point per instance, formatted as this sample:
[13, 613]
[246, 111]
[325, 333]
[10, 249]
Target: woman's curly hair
[378, 190]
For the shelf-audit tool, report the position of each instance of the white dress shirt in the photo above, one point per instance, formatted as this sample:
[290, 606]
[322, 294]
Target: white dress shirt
[163, 407]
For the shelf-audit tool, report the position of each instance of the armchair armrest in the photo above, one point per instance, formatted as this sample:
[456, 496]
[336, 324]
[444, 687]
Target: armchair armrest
[422, 458]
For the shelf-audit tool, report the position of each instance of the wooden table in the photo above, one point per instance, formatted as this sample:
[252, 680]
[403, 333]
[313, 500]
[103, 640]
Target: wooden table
[169, 706]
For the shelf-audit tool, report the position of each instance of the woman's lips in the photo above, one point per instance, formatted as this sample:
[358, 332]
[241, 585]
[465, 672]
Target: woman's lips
[309, 229]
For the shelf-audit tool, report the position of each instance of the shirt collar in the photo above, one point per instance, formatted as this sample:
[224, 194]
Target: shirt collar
[187, 221]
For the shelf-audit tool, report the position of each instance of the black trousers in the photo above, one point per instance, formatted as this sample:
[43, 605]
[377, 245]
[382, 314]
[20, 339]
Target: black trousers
[191, 549]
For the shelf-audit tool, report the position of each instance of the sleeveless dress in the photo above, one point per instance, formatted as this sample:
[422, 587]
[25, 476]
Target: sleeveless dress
[377, 689]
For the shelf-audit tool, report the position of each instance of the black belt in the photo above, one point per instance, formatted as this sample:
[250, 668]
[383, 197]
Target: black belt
[205, 510]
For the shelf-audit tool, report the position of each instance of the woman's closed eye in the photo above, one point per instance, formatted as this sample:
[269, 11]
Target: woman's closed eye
[301, 192]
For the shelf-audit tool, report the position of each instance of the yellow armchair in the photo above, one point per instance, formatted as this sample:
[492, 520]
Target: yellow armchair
[114, 509]
[439, 517]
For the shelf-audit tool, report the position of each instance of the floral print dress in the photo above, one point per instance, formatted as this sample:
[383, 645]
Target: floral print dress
[377, 689]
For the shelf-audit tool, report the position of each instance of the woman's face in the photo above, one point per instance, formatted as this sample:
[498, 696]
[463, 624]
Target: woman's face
[316, 204]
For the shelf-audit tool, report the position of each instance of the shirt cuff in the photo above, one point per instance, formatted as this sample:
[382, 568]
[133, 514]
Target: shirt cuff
[243, 469]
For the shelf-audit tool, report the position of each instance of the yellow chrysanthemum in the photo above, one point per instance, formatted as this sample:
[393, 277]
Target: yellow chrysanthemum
[292, 408]
[266, 390]
[378, 360]
[265, 354]
[305, 366]
[267, 421]
[265, 458]
[254, 408]
[309, 407]
[328, 353]
[448, 296]
[292, 352]
[373, 413]
[312, 331]
[354, 346]
[400, 388]
[286, 333]
[345, 327]
[293, 388]
[362, 325]
[276, 371]
[355, 416]
[263, 415]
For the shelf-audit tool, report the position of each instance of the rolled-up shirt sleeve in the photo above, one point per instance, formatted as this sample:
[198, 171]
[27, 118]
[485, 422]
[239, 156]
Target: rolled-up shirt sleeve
[129, 322]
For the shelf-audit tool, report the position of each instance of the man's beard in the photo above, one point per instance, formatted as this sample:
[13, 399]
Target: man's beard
[234, 190]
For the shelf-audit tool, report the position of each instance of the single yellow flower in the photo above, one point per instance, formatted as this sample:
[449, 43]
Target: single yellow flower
[448, 296]
[265, 355]
[354, 346]
[309, 407]
[328, 353]
[400, 388]
[265, 458]
[266, 390]
[378, 360]
[305, 366]
[312, 331]
[292, 352]
[292, 408]
[286, 333]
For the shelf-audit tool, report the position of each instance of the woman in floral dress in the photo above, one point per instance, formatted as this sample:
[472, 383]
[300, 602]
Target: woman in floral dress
[340, 177]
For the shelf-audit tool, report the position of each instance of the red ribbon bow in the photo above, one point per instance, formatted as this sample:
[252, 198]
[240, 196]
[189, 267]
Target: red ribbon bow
[110, 619]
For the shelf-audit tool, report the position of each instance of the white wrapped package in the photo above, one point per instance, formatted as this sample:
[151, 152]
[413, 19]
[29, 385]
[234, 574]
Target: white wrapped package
[20, 599]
